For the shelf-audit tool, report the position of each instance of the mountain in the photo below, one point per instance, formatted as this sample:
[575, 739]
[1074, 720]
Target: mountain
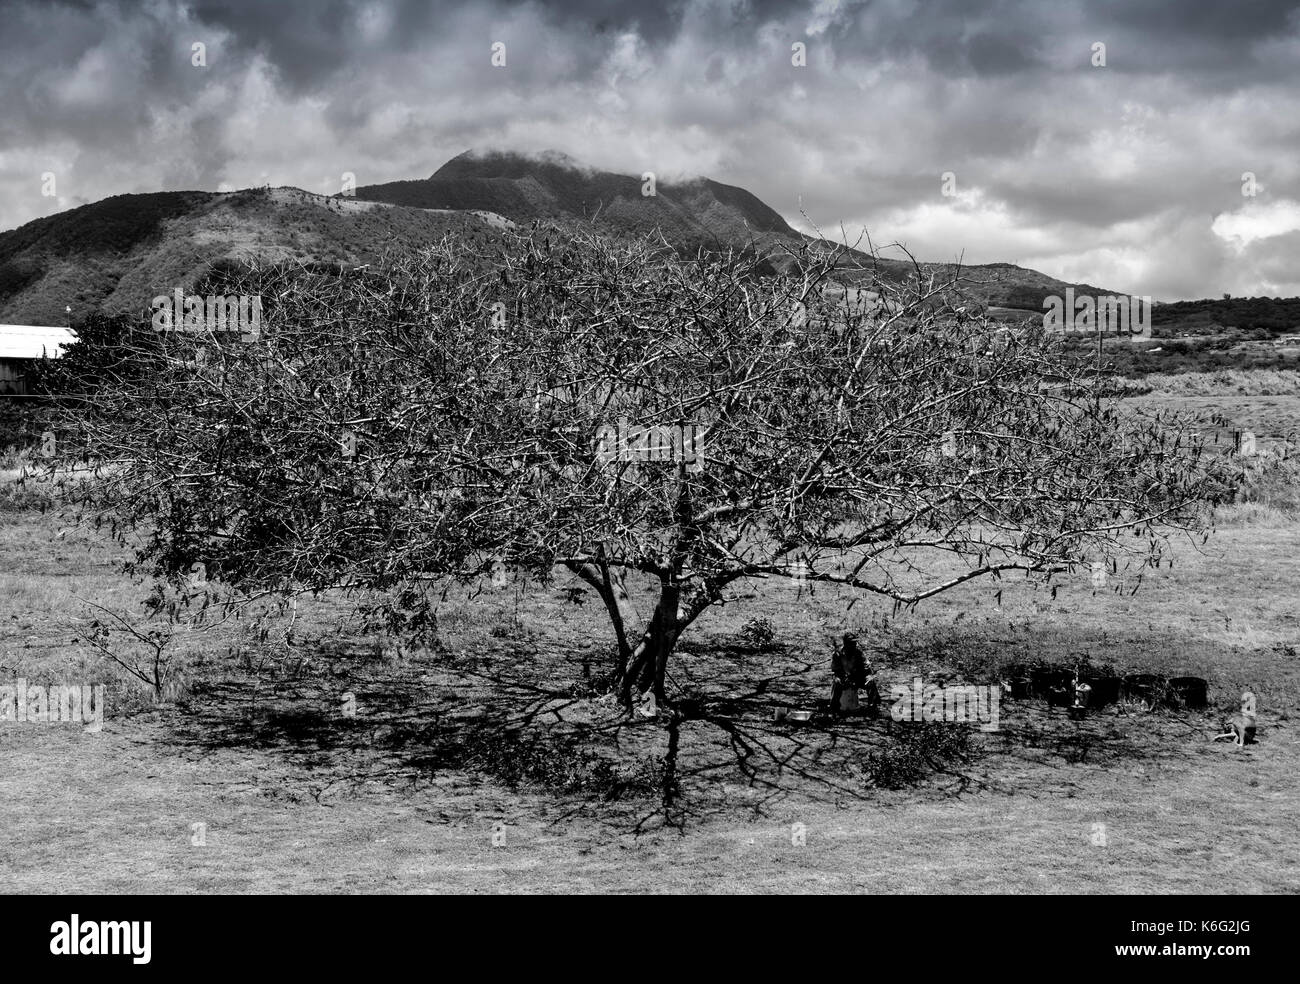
[553, 186]
[117, 254]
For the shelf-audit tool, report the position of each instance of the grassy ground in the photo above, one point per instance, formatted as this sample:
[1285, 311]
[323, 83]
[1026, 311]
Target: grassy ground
[294, 794]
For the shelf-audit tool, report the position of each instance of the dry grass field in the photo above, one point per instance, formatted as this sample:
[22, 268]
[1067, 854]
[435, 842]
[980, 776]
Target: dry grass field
[294, 794]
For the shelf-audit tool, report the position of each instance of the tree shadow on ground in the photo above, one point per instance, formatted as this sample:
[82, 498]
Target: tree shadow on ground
[367, 726]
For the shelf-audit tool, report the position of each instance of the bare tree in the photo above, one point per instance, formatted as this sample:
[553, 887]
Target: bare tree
[626, 413]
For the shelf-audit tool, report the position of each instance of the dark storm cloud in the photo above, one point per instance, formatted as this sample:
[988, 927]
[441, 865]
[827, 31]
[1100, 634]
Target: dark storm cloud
[1098, 172]
[1245, 21]
[310, 43]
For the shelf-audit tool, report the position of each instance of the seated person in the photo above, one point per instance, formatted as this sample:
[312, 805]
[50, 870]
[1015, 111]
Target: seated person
[852, 674]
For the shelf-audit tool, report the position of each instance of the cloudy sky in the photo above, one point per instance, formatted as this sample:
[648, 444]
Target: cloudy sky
[1127, 175]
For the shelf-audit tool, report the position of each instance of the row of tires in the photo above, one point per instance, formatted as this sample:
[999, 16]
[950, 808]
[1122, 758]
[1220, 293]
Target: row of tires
[1057, 687]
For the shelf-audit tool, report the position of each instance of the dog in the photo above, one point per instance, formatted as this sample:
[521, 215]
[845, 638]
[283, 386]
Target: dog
[1241, 727]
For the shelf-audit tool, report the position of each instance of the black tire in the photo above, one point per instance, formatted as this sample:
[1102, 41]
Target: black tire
[1105, 690]
[1192, 693]
[1150, 688]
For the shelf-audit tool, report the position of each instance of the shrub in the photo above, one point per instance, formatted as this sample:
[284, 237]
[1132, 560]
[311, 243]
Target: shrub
[560, 765]
[1259, 382]
[1272, 481]
[18, 496]
[758, 632]
[918, 750]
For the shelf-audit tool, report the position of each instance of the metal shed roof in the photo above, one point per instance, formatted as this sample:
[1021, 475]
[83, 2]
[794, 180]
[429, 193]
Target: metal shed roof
[34, 341]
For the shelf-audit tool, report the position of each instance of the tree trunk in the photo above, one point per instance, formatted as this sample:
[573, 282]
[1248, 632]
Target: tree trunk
[611, 587]
[649, 664]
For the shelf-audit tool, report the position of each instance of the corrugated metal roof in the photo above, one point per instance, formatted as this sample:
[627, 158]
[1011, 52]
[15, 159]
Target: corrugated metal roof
[34, 341]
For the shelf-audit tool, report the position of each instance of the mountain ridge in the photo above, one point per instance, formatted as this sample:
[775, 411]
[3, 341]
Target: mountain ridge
[555, 186]
[115, 255]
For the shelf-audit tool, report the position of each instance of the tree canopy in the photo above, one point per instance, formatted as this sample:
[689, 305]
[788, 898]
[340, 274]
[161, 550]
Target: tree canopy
[614, 409]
